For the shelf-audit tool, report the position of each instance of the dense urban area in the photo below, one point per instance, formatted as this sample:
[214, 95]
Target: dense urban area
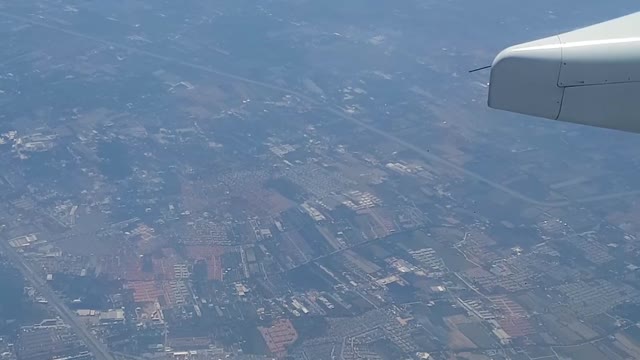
[298, 179]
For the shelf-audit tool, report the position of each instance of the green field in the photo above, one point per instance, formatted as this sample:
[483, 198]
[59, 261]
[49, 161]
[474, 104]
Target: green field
[582, 352]
[478, 334]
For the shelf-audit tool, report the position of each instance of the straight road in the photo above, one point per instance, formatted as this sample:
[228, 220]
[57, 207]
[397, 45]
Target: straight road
[98, 349]
[335, 110]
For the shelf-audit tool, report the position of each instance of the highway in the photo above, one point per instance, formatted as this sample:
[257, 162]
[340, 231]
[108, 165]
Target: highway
[334, 110]
[98, 349]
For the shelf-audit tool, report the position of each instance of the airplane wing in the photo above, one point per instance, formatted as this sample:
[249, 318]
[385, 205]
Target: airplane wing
[588, 76]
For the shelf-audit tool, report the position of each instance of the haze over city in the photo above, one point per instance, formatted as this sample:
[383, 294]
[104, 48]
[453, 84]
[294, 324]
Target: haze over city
[298, 179]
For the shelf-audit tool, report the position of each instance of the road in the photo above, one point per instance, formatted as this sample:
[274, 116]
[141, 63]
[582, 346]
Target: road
[98, 349]
[337, 111]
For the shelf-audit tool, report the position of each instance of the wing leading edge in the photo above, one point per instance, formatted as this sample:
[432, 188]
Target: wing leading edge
[588, 76]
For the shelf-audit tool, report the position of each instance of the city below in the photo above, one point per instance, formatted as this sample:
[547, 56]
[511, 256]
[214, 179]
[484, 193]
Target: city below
[308, 180]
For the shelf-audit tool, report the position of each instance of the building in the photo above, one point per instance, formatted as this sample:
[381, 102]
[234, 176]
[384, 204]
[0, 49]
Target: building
[112, 317]
[279, 336]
